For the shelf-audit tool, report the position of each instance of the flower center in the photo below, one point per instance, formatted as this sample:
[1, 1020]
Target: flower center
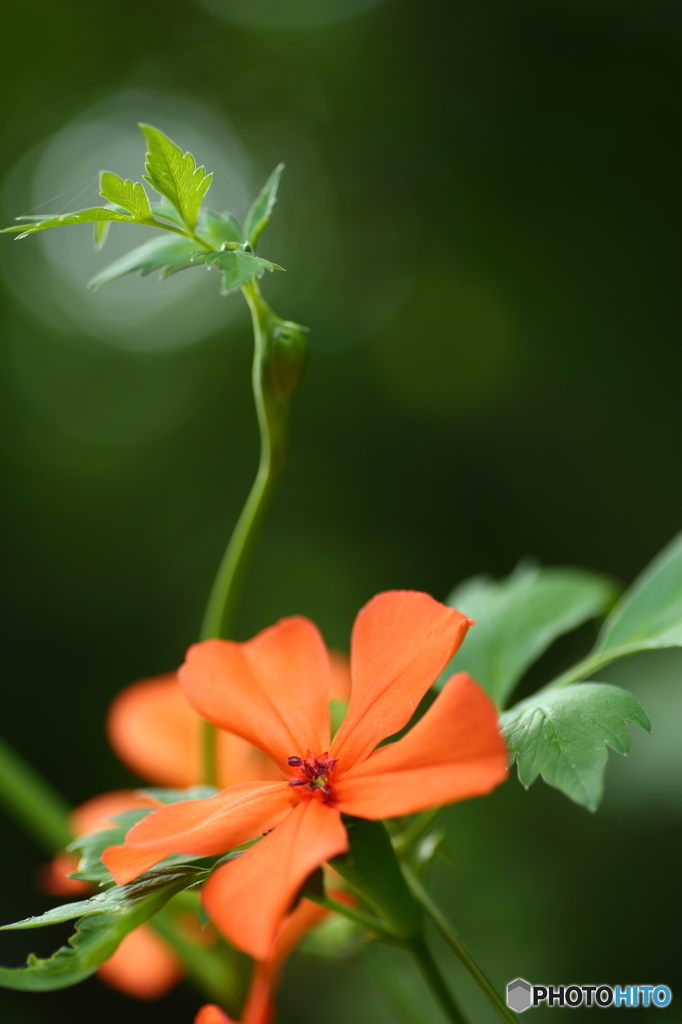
[315, 772]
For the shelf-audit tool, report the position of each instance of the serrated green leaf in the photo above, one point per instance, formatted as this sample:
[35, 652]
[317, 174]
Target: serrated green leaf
[218, 228]
[174, 174]
[649, 615]
[130, 195]
[262, 206]
[236, 266]
[562, 735]
[103, 922]
[91, 216]
[92, 845]
[517, 618]
[167, 253]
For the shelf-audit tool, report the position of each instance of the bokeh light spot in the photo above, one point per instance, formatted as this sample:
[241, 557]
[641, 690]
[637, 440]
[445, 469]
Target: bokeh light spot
[49, 272]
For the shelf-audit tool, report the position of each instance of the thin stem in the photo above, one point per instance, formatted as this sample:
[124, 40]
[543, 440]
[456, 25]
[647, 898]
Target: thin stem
[404, 842]
[459, 948]
[588, 665]
[222, 602]
[33, 802]
[359, 917]
[436, 982]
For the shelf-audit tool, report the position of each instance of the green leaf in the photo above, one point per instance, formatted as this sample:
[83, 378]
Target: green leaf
[174, 174]
[92, 845]
[165, 209]
[262, 206]
[562, 735]
[649, 615]
[219, 228]
[517, 618]
[237, 267]
[176, 796]
[167, 253]
[103, 922]
[131, 196]
[372, 871]
[97, 213]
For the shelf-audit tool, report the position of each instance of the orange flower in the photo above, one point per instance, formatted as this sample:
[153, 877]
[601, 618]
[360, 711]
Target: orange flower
[273, 692]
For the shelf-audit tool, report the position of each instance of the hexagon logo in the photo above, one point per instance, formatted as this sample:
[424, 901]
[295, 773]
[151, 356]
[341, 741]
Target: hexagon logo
[518, 995]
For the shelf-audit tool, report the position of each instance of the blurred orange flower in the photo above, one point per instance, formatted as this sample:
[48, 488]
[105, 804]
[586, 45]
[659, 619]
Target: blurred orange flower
[258, 1007]
[273, 692]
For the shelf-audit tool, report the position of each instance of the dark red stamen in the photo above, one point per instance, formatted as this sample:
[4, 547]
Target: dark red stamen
[316, 771]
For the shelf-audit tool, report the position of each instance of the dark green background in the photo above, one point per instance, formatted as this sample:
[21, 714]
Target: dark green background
[484, 196]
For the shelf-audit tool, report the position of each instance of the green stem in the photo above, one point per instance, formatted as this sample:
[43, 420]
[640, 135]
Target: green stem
[404, 842]
[273, 382]
[33, 802]
[359, 917]
[459, 948]
[592, 663]
[436, 982]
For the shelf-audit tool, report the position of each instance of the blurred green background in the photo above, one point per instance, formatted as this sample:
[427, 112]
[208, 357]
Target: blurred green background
[479, 220]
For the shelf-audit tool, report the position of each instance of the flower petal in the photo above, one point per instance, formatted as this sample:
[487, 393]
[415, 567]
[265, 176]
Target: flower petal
[96, 813]
[155, 732]
[217, 824]
[455, 751]
[143, 966]
[258, 1006]
[212, 1014]
[126, 864]
[248, 898]
[272, 691]
[401, 641]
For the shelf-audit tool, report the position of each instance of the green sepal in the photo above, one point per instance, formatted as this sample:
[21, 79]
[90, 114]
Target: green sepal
[371, 869]
[103, 923]
[175, 175]
[562, 735]
[262, 207]
[130, 195]
[90, 216]
[167, 253]
[519, 617]
[236, 266]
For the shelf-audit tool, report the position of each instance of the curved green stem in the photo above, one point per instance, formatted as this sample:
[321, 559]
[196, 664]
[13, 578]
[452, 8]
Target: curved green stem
[434, 979]
[33, 802]
[459, 948]
[278, 359]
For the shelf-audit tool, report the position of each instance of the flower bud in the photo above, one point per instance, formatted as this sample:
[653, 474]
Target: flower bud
[288, 354]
